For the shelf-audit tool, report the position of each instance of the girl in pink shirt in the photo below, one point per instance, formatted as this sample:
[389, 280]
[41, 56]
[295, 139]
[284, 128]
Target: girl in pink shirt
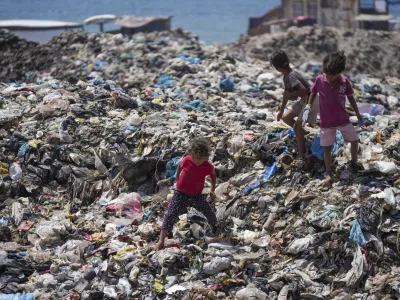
[191, 176]
[333, 88]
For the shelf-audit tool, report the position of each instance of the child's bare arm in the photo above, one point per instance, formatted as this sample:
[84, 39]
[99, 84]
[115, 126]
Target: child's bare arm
[178, 172]
[301, 91]
[311, 99]
[354, 106]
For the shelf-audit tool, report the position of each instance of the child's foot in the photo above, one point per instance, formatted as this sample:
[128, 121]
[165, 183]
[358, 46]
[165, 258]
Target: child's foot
[354, 167]
[159, 246]
[328, 181]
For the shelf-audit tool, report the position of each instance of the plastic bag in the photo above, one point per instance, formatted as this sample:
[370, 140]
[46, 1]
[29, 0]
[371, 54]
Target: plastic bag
[125, 201]
[269, 172]
[17, 297]
[318, 150]
[99, 164]
[133, 119]
[371, 109]
[356, 235]
[226, 85]
[382, 166]
[15, 171]
[172, 167]
[216, 265]
[251, 293]
[301, 245]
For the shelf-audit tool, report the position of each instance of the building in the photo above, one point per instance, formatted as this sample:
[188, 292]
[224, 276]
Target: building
[366, 14]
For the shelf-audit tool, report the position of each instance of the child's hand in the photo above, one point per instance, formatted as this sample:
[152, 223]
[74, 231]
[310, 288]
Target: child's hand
[279, 116]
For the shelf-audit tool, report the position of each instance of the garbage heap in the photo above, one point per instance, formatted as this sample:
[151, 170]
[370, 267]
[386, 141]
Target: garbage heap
[368, 51]
[127, 61]
[88, 167]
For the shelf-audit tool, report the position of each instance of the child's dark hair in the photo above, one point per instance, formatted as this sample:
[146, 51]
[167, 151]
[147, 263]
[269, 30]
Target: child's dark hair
[280, 60]
[200, 146]
[334, 63]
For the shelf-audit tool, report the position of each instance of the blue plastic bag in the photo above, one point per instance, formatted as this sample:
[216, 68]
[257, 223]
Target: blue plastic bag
[165, 81]
[191, 60]
[226, 85]
[172, 167]
[269, 172]
[356, 235]
[318, 150]
[193, 105]
[22, 151]
[17, 297]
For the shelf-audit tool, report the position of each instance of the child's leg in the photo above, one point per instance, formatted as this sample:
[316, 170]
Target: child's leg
[354, 151]
[328, 161]
[288, 117]
[298, 128]
[328, 138]
[177, 207]
[350, 135]
[200, 203]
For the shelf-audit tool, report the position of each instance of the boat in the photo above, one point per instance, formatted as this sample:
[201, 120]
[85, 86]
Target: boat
[100, 20]
[40, 31]
[133, 24]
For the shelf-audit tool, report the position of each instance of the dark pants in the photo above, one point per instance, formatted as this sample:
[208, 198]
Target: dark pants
[179, 204]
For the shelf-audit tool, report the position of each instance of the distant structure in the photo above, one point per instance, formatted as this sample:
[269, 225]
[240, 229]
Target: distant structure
[366, 14]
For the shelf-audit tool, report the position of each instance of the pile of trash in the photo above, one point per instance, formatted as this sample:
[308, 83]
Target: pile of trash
[368, 51]
[87, 168]
[130, 62]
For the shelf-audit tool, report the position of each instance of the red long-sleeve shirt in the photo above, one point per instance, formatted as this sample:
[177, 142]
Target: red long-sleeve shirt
[192, 178]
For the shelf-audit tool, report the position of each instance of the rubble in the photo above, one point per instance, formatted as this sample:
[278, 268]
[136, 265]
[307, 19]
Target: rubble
[88, 156]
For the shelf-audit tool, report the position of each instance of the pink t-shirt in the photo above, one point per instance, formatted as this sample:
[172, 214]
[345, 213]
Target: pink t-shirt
[192, 178]
[332, 101]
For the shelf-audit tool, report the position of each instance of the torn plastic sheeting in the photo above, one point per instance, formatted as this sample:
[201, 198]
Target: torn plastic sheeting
[251, 293]
[387, 195]
[124, 201]
[370, 238]
[300, 245]
[381, 166]
[269, 172]
[216, 265]
[99, 164]
[318, 150]
[359, 267]
[356, 235]
[175, 288]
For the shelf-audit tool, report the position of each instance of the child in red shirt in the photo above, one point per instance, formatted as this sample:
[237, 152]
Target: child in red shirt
[191, 175]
